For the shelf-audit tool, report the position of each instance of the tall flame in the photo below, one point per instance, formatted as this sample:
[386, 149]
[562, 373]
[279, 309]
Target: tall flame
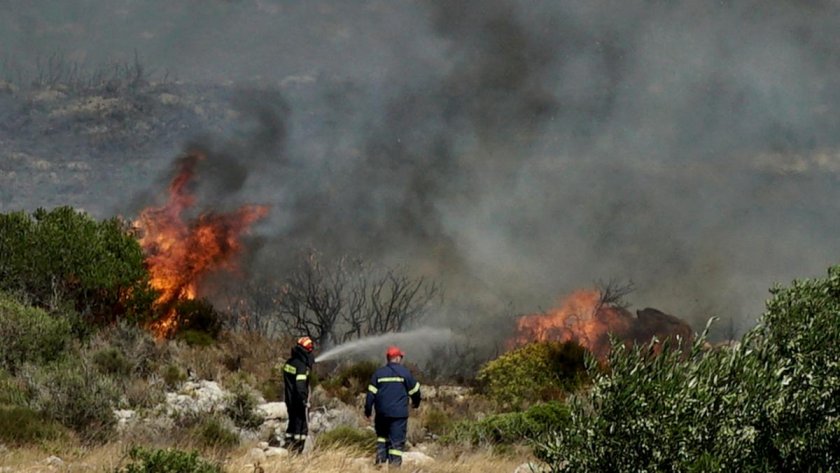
[179, 253]
[581, 317]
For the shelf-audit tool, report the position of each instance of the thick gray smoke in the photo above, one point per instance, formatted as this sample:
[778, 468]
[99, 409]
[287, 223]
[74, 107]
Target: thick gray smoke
[514, 150]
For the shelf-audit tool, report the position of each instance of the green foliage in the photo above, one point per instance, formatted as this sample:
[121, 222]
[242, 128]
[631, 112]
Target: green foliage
[11, 391]
[242, 406]
[65, 255]
[113, 362]
[173, 376]
[213, 432]
[22, 426]
[436, 421]
[511, 427]
[29, 335]
[345, 436]
[536, 372]
[167, 461]
[769, 404]
[199, 320]
[350, 381]
[75, 394]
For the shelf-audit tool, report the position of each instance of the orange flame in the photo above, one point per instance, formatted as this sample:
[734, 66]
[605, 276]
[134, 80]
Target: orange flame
[180, 253]
[581, 318]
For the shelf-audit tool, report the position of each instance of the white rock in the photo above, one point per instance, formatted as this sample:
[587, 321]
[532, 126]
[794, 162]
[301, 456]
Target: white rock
[417, 458]
[263, 445]
[274, 410]
[256, 455]
[276, 452]
[55, 461]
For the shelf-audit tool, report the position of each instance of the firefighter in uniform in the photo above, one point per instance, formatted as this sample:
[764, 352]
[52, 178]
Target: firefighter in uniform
[389, 391]
[296, 373]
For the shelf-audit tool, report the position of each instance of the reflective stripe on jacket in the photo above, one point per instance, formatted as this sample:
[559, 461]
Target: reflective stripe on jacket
[389, 391]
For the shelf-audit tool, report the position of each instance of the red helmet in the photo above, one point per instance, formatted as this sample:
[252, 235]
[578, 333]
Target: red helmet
[306, 343]
[394, 351]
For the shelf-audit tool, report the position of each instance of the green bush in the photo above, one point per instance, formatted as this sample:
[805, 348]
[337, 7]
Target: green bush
[345, 436]
[536, 372]
[242, 406]
[65, 255]
[213, 432]
[167, 461]
[29, 335]
[350, 381]
[23, 426]
[768, 404]
[511, 427]
[113, 362]
[173, 376]
[75, 394]
[436, 421]
[11, 391]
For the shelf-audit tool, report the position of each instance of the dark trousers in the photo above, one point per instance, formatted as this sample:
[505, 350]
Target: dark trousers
[390, 438]
[297, 428]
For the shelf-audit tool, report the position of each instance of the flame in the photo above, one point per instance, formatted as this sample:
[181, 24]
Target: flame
[179, 253]
[582, 318]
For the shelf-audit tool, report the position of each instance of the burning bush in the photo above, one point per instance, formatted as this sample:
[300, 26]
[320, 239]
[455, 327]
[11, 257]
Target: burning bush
[768, 404]
[536, 372]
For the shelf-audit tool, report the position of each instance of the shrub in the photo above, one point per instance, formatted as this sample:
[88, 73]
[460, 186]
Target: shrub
[199, 316]
[536, 372]
[29, 334]
[76, 395]
[350, 381]
[173, 376]
[242, 406]
[511, 427]
[167, 461]
[213, 432]
[345, 436]
[22, 426]
[11, 391]
[112, 362]
[436, 421]
[768, 404]
[63, 254]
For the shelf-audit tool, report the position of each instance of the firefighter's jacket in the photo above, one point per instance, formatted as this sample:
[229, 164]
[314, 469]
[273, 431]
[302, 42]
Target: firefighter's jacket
[389, 391]
[296, 378]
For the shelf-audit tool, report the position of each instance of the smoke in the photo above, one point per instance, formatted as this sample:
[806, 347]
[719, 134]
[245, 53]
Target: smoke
[515, 151]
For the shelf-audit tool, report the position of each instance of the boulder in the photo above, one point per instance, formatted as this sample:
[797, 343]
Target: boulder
[273, 410]
[417, 458]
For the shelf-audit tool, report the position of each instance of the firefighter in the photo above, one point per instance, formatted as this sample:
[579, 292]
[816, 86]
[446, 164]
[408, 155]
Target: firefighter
[389, 391]
[296, 373]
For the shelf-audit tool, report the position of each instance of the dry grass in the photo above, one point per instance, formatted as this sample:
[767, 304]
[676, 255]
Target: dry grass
[109, 457]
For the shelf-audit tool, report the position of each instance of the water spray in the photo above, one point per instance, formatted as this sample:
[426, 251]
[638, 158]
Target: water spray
[414, 340]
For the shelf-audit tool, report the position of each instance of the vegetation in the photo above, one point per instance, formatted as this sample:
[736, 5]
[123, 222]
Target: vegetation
[536, 372]
[167, 461]
[21, 426]
[344, 436]
[63, 256]
[768, 404]
[511, 427]
[350, 381]
[29, 335]
[73, 393]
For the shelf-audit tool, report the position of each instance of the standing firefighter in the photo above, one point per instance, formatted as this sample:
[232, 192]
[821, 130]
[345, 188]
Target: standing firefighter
[389, 391]
[296, 381]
